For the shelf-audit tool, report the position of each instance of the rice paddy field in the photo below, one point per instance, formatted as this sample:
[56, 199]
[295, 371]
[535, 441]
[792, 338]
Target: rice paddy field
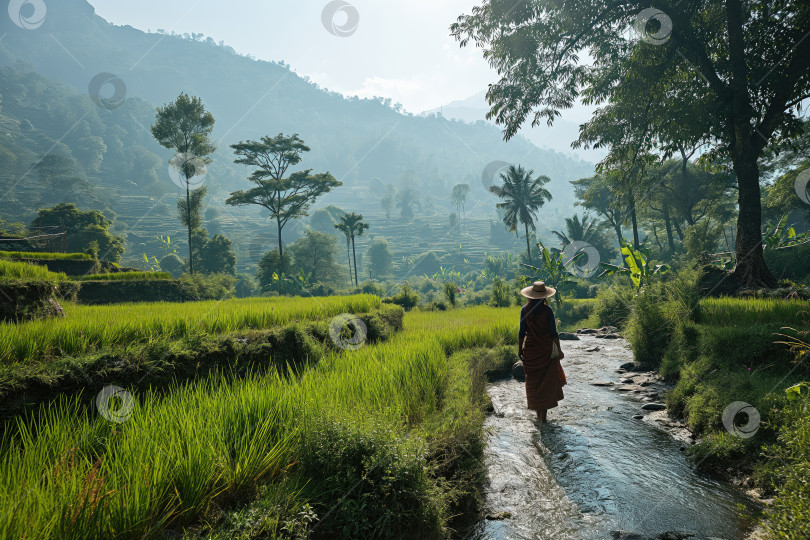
[89, 328]
[748, 311]
[72, 473]
[11, 270]
[44, 256]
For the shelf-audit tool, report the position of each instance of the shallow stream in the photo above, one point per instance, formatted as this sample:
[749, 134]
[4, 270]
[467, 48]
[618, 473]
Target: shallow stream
[594, 470]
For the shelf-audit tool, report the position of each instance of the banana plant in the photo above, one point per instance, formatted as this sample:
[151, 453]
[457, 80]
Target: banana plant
[780, 236]
[554, 271]
[639, 266]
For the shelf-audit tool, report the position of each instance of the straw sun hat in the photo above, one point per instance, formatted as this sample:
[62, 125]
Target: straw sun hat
[538, 290]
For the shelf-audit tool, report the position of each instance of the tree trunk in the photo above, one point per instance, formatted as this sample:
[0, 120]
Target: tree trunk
[280, 250]
[618, 230]
[354, 256]
[634, 220]
[678, 229]
[668, 224]
[751, 269]
[188, 222]
[349, 257]
[528, 245]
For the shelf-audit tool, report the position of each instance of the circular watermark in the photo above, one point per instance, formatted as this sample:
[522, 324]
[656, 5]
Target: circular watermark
[187, 170]
[751, 425]
[340, 18]
[581, 259]
[490, 172]
[124, 410]
[344, 324]
[642, 26]
[802, 185]
[27, 14]
[119, 91]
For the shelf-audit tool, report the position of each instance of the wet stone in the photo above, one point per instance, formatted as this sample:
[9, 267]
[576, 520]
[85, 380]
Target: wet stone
[568, 336]
[498, 516]
[602, 383]
[628, 365]
[638, 416]
[654, 407]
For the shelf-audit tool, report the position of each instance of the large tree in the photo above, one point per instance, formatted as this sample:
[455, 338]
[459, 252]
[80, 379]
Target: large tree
[81, 229]
[352, 225]
[523, 196]
[285, 197]
[738, 69]
[185, 126]
[459, 196]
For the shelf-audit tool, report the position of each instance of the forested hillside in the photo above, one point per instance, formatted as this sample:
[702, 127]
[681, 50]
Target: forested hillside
[118, 166]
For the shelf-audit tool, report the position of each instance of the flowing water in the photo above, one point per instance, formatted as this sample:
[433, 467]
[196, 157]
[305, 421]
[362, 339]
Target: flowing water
[594, 469]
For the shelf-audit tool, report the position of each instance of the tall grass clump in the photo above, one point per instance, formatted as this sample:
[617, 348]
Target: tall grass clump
[10, 270]
[44, 256]
[648, 330]
[614, 307]
[90, 328]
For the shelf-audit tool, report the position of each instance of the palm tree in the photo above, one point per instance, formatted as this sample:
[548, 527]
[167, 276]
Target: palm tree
[523, 197]
[585, 230]
[352, 225]
[347, 233]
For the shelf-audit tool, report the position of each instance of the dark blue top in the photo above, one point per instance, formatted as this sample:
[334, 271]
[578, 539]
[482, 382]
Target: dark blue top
[552, 324]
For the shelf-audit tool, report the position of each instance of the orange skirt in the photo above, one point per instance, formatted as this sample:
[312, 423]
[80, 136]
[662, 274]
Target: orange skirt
[544, 378]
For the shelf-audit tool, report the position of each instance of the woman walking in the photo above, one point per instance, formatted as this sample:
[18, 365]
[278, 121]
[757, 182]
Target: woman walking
[539, 349]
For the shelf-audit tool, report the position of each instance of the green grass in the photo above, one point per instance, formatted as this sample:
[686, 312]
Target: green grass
[10, 270]
[126, 276]
[71, 473]
[44, 256]
[90, 328]
[750, 311]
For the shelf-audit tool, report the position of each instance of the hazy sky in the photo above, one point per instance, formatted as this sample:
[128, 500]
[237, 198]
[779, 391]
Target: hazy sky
[401, 50]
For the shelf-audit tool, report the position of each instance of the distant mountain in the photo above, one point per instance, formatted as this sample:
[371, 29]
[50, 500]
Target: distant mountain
[557, 137]
[363, 142]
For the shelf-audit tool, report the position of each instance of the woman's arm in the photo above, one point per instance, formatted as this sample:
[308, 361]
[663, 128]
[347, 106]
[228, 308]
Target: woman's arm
[552, 328]
[521, 334]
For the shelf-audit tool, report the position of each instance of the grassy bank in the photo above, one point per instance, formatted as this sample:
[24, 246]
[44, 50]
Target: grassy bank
[45, 256]
[126, 276]
[719, 353]
[397, 415]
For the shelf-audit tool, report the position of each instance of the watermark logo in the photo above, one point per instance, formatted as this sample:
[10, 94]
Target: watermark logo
[123, 399]
[340, 18]
[348, 331]
[645, 26]
[119, 91]
[490, 172]
[731, 424]
[581, 259]
[187, 170]
[27, 14]
[802, 185]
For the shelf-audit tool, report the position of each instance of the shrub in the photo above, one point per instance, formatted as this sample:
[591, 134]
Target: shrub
[450, 290]
[127, 276]
[209, 286]
[501, 294]
[173, 264]
[648, 330]
[789, 515]
[407, 298]
[614, 307]
[379, 477]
